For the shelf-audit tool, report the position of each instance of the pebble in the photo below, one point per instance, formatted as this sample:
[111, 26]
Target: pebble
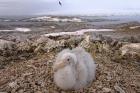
[13, 84]
[106, 90]
[119, 89]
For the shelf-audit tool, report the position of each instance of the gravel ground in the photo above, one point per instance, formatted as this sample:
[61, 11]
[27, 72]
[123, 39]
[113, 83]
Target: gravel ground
[36, 76]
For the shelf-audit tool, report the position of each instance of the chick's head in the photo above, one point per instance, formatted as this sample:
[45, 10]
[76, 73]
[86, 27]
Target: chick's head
[67, 59]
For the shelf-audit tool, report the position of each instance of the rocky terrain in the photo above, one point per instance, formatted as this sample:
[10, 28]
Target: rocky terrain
[26, 59]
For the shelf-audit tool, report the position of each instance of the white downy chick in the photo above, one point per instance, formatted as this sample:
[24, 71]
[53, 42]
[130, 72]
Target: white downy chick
[74, 69]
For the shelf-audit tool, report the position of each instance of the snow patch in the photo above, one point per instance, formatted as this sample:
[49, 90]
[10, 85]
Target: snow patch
[134, 27]
[52, 26]
[23, 29]
[6, 30]
[41, 18]
[17, 29]
[56, 19]
[79, 32]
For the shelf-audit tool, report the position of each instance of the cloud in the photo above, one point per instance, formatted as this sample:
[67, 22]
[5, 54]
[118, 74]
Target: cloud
[26, 7]
[31, 7]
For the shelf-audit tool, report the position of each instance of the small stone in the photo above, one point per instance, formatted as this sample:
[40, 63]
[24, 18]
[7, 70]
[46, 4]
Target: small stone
[106, 90]
[13, 84]
[38, 92]
[99, 86]
[93, 90]
[119, 89]
[21, 91]
[109, 77]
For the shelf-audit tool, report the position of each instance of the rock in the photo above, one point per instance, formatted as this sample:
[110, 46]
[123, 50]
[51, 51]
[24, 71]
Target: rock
[105, 38]
[13, 84]
[44, 44]
[106, 47]
[57, 45]
[131, 39]
[39, 49]
[106, 90]
[119, 89]
[85, 43]
[132, 48]
[21, 91]
[99, 86]
[96, 37]
[109, 76]
[38, 92]
[41, 40]
[4, 44]
[74, 41]
[25, 46]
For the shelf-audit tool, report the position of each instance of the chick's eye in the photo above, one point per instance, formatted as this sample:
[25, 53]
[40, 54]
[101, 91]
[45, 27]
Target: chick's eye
[68, 59]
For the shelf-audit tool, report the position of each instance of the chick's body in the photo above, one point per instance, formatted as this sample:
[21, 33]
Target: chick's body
[65, 78]
[78, 74]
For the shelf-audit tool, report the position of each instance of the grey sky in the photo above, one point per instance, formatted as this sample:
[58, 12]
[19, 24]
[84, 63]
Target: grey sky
[31, 7]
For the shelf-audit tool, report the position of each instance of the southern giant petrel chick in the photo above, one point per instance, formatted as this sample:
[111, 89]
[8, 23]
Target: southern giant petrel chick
[74, 69]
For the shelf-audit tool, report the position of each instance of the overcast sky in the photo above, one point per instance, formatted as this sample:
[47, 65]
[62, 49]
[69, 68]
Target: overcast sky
[36, 7]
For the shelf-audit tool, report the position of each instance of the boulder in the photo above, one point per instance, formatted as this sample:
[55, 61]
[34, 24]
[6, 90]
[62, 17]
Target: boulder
[44, 44]
[4, 44]
[25, 46]
[132, 48]
[131, 51]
